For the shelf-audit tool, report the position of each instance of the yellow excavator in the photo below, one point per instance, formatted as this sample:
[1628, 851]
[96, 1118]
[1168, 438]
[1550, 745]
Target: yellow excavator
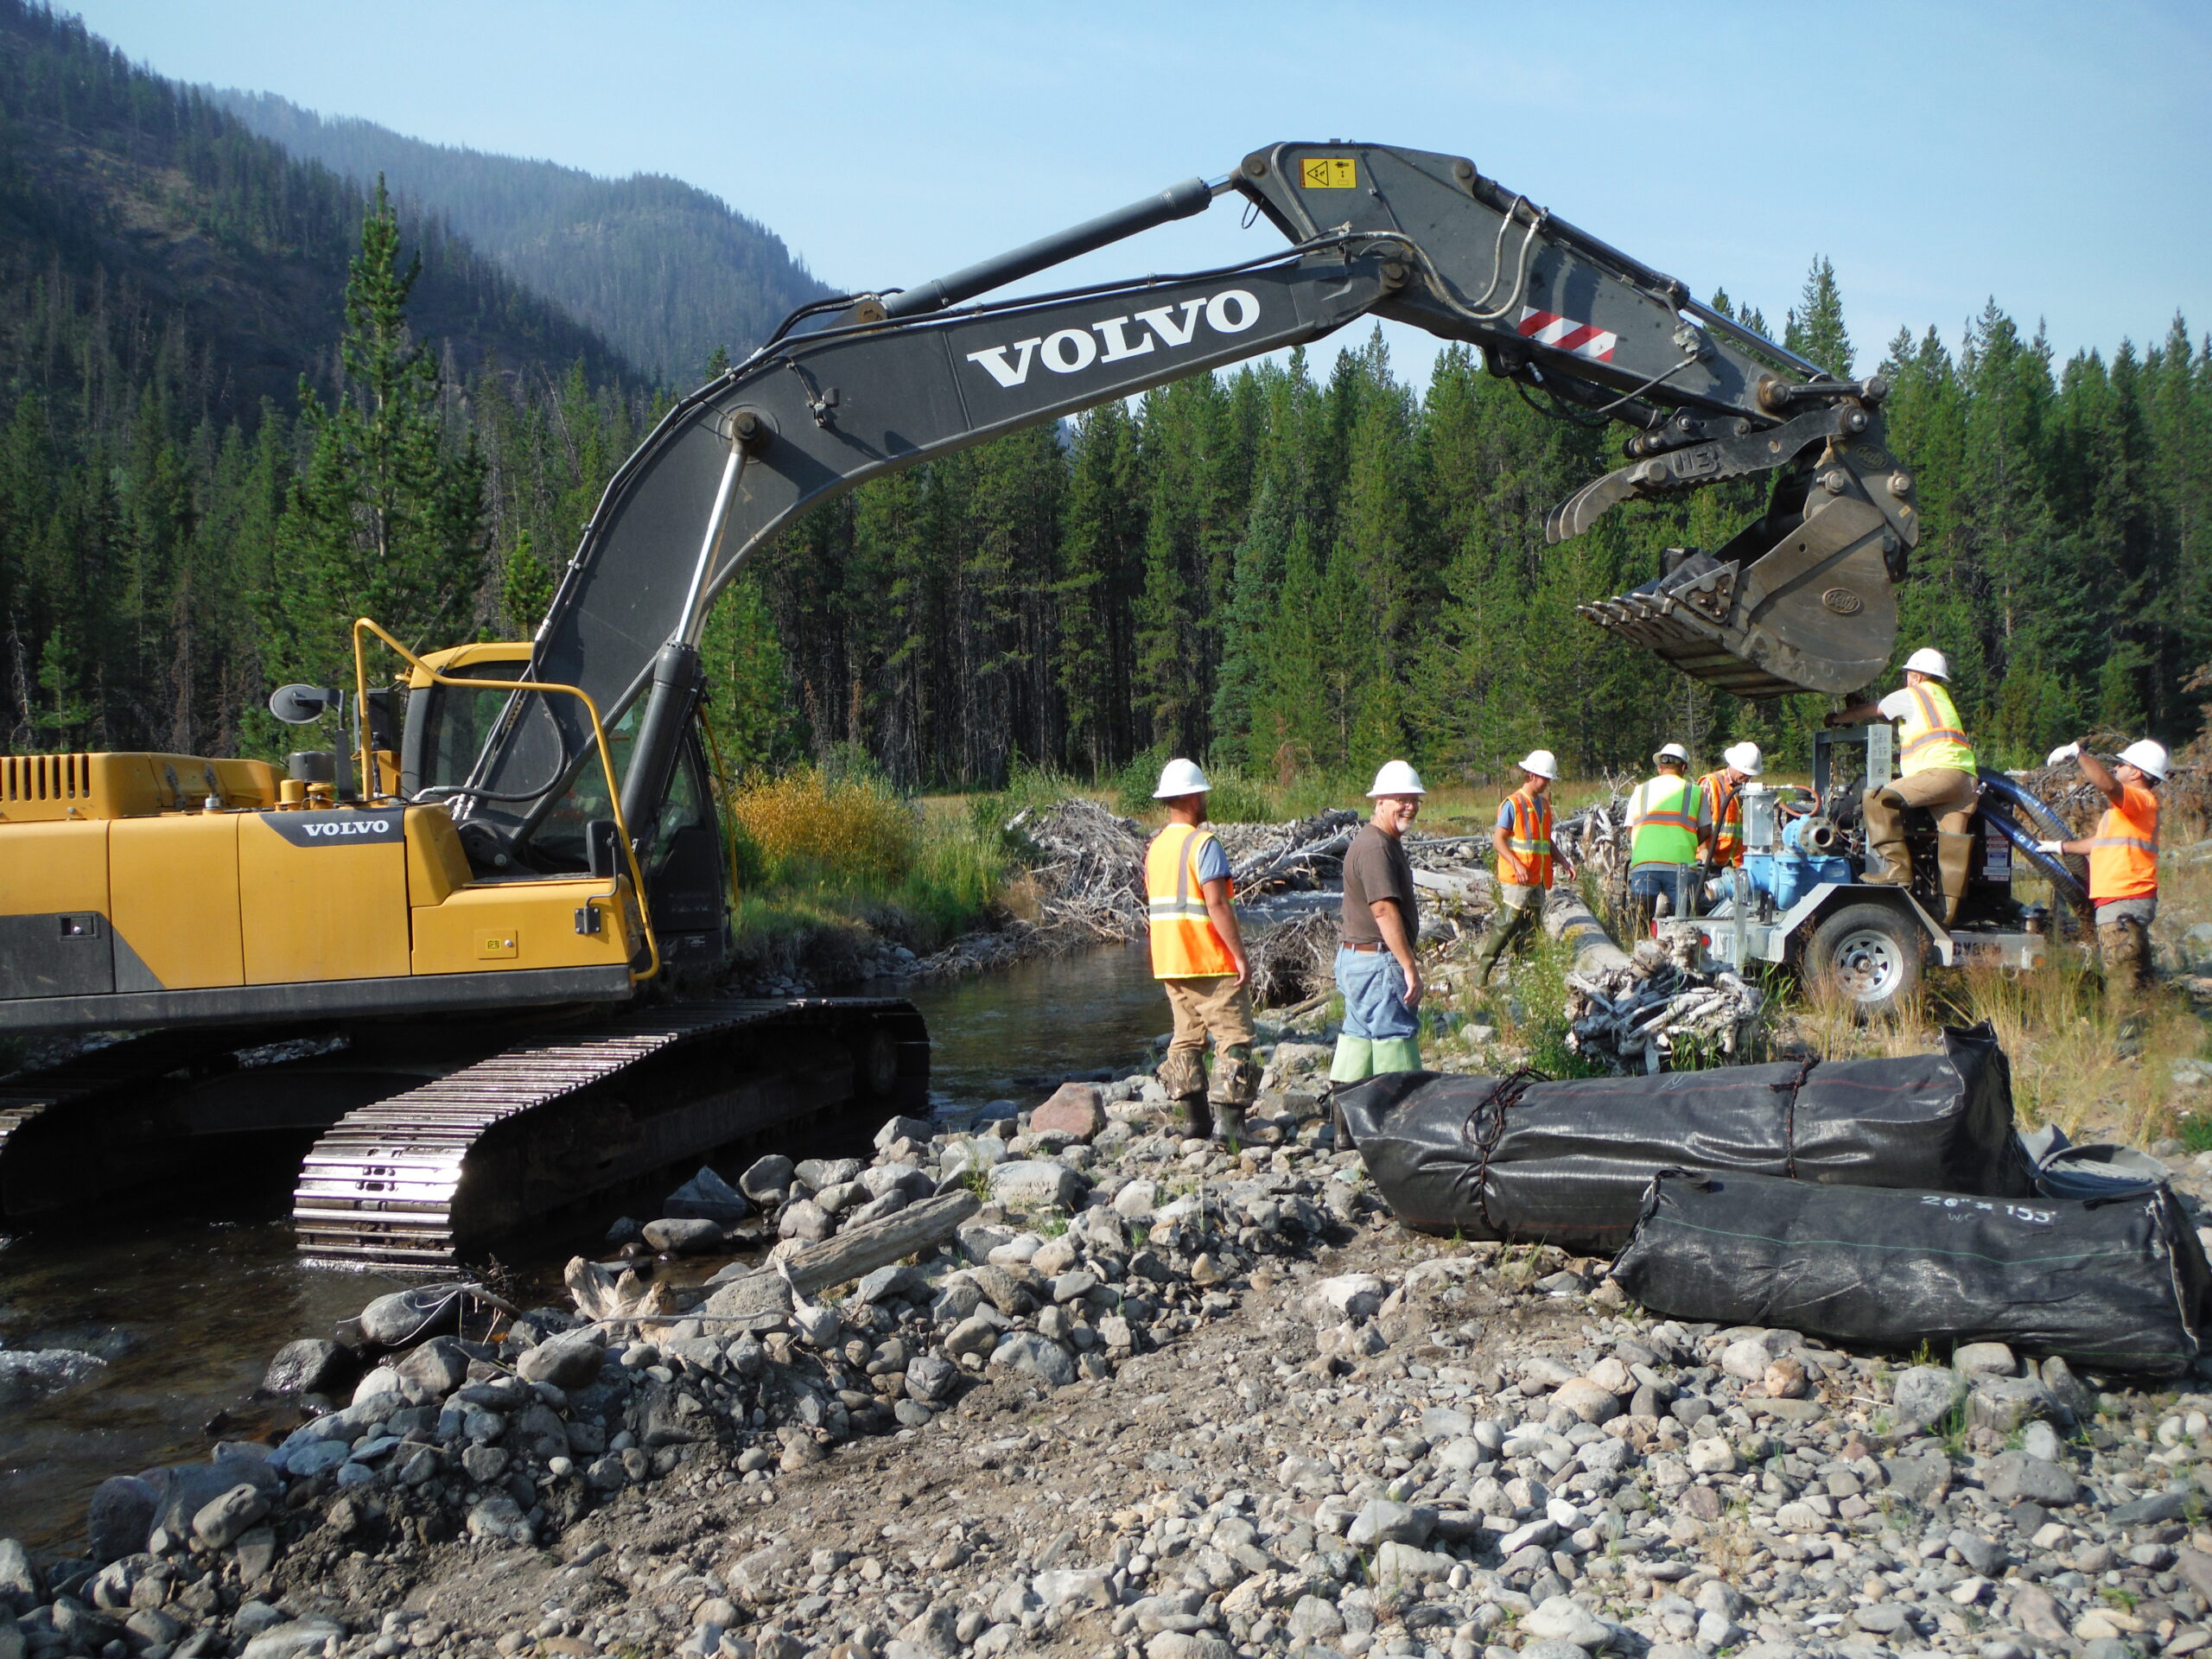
[467, 951]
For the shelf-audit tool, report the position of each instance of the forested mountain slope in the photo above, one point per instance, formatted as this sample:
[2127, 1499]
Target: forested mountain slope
[664, 271]
[133, 211]
[180, 528]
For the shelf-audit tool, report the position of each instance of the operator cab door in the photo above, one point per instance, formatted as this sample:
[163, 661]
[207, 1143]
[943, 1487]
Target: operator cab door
[685, 873]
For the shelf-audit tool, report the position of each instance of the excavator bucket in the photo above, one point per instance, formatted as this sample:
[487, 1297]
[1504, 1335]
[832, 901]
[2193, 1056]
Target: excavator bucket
[1813, 608]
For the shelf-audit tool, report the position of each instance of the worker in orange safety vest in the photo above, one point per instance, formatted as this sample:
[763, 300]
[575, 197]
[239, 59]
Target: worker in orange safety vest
[2123, 857]
[1523, 841]
[1720, 805]
[1198, 955]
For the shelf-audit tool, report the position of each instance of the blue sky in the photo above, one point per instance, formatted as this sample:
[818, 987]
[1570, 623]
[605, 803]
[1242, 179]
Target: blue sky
[2055, 156]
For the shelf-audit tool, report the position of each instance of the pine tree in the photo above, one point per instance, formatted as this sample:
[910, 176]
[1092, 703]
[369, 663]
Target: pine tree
[1816, 330]
[385, 520]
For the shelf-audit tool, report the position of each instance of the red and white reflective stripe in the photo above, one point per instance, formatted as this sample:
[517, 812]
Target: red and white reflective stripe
[1565, 335]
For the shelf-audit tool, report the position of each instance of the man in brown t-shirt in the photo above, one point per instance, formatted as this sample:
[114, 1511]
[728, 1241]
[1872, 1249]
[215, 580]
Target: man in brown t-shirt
[1376, 969]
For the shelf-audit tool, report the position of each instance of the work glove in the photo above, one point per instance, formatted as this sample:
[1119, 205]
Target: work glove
[2064, 752]
[2054, 848]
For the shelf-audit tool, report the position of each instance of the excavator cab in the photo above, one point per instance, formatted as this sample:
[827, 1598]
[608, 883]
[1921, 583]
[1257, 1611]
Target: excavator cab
[450, 728]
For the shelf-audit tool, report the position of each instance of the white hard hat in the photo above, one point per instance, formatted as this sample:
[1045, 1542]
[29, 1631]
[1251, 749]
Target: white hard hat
[1180, 778]
[1745, 757]
[1674, 752]
[1929, 661]
[2148, 755]
[1542, 762]
[1397, 777]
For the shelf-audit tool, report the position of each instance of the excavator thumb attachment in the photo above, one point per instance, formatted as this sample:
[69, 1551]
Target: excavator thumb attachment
[1804, 599]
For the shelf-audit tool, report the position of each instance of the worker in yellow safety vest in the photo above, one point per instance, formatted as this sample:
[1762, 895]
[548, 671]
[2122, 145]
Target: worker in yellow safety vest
[1936, 770]
[2123, 864]
[1523, 840]
[1662, 839]
[1198, 955]
[1720, 805]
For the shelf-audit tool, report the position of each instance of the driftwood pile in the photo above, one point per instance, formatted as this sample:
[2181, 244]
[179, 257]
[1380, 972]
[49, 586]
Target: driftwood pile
[1293, 961]
[1638, 1017]
[1295, 857]
[1595, 842]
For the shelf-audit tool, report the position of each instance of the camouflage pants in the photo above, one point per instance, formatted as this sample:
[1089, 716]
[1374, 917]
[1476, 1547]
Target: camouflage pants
[2124, 945]
[1220, 1008]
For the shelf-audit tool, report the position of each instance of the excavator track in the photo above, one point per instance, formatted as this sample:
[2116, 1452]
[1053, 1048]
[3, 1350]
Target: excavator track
[416, 1179]
[58, 1125]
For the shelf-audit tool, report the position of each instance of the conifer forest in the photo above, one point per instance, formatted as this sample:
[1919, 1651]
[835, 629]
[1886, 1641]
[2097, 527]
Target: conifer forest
[1287, 567]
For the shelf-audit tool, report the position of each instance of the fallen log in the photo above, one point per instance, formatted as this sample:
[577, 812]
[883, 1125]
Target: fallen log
[851, 1254]
[1567, 919]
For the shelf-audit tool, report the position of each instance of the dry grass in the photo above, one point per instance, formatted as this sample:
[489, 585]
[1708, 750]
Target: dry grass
[2055, 1028]
[833, 830]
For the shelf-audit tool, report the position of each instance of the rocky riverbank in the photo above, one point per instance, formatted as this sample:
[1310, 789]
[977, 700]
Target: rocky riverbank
[1140, 1395]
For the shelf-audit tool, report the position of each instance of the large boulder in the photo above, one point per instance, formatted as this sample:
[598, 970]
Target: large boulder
[439, 1365]
[767, 1180]
[915, 1129]
[707, 1196]
[119, 1518]
[188, 1488]
[311, 1365]
[570, 1360]
[1037, 1356]
[681, 1235]
[218, 1523]
[1034, 1183]
[1075, 1110]
[408, 1316]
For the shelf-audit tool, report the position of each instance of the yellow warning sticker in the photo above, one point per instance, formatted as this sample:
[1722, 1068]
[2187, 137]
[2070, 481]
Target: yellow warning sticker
[1328, 173]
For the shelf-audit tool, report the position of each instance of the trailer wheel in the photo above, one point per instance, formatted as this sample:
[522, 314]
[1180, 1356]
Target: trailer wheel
[1868, 955]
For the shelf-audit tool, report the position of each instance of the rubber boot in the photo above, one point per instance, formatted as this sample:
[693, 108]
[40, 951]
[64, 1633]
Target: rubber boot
[1198, 1123]
[1888, 862]
[1953, 855]
[1227, 1122]
[1504, 928]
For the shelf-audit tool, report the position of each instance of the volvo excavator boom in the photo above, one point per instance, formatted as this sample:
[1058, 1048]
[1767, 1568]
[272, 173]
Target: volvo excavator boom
[1801, 600]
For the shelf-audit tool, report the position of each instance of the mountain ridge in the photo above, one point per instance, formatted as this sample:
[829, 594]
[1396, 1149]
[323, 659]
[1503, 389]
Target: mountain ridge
[664, 270]
[120, 185]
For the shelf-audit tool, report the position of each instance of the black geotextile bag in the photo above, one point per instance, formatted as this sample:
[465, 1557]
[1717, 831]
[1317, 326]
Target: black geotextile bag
[1567, 1163]
[2111, 1284]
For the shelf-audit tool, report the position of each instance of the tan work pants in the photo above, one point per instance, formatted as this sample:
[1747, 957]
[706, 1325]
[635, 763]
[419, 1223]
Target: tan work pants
[1220, 1008]
[1944, 790]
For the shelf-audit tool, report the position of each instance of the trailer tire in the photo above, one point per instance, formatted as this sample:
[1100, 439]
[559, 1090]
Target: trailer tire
[1869, 955]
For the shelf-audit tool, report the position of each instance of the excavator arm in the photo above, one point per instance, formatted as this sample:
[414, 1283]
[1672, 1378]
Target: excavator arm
[847, 390]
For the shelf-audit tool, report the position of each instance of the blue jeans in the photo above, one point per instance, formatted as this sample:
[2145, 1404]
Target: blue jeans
[1374, 988]
[1675, 883]
[1381, 1033]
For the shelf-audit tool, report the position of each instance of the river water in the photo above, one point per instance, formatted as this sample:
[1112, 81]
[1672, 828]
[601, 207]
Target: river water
[187, 1296]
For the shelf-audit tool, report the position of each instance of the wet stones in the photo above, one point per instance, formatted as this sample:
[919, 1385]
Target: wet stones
[29, 1375]
[311, 1365]
[118, 1518]
[683, 1235]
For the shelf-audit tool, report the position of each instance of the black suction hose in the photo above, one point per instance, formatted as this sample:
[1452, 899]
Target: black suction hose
[2063, 881]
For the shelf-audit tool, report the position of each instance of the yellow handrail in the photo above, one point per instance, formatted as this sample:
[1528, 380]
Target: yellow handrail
[599, 736]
